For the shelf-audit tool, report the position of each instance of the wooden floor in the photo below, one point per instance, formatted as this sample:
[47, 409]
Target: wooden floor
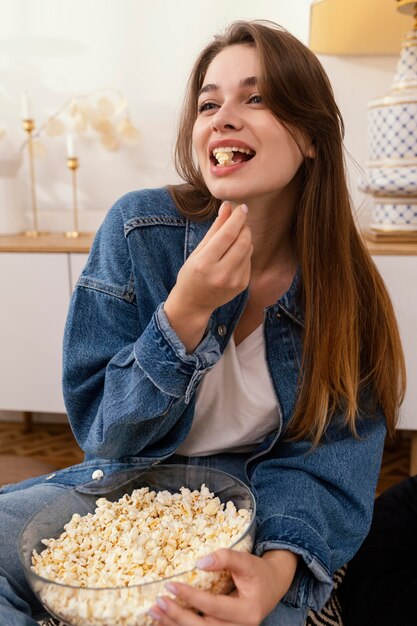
[53, 445]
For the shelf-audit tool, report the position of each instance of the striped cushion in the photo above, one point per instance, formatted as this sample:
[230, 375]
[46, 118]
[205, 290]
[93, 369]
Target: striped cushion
[331, 613]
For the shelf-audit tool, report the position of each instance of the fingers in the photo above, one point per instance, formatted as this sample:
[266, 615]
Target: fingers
[253, 599]
[238, 255]
[223, 214]
[203, 283]
[225, 237]
[240, 564]
[167, 612]
[225, 210]
[217, 606]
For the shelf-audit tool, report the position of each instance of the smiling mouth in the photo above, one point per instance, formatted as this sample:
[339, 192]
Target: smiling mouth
[230, 155]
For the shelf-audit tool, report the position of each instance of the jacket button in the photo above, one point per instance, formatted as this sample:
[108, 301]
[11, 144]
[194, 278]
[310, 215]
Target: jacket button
[278, 316]
[222, 330]
[50, 477]
[97, 474]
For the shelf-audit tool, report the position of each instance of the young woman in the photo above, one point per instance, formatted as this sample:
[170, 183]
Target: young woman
[238, 321]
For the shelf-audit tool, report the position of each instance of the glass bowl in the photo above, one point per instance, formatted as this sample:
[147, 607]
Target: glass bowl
[126, 606]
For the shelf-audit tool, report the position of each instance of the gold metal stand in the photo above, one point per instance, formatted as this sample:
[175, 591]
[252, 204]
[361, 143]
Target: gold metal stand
[29, 127]
[73, 164]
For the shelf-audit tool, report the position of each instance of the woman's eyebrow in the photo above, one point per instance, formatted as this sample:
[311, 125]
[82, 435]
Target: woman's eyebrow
[251, 81]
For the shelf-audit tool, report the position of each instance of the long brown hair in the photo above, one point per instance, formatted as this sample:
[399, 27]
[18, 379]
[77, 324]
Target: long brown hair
[351, 341]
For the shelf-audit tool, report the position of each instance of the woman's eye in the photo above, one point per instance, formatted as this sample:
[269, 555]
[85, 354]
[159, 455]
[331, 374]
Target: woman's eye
[256, 99]
[206, 106]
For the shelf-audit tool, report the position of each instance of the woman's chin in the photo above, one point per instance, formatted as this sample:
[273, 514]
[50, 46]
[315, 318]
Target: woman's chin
[227, 192]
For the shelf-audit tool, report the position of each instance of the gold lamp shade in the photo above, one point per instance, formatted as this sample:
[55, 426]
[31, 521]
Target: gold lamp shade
[359, 27]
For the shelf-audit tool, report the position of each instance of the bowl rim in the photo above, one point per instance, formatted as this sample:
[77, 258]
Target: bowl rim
[150, 582]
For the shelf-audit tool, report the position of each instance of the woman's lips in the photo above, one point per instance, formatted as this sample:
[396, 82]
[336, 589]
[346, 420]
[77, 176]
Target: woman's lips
[225, 155]
[224, 170]
[228, 156]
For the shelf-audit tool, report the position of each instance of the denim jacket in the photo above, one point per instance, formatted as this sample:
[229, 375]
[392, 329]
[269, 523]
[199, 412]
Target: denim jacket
[129, 388]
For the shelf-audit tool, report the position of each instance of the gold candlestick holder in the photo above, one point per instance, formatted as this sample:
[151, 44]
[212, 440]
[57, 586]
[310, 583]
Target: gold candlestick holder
[29, 126]
[73, 164]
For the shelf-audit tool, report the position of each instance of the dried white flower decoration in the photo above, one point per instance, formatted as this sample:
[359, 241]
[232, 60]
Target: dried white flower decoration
[105, 107]
[54, 127]
[110, 141]
[101, 123]
[105, 114]
[128, 132]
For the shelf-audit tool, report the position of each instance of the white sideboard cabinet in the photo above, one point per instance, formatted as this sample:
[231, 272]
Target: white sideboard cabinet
[400, 275]
[37, 277]
[397, 264]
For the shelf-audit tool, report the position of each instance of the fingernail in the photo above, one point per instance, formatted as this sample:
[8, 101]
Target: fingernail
[244, 208]
[223, 204]
[206, 561]
[172, 588]
[162, 604]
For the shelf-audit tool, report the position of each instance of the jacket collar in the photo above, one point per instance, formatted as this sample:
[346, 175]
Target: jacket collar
[291, 302]
[194, 233]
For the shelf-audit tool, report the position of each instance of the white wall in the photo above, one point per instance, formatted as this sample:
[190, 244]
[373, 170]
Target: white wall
[56, 49]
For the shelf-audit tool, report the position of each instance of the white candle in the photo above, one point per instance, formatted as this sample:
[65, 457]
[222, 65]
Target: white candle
[26, 113]
[70, 146]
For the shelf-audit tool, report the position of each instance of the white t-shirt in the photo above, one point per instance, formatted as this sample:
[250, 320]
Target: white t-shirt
[236, 407]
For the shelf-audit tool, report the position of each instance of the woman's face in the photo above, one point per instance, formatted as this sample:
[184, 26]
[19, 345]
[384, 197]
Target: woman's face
[231, 115]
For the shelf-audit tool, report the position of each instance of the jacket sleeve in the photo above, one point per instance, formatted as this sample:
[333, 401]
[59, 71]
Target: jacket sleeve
[318, 503]
[122, 384]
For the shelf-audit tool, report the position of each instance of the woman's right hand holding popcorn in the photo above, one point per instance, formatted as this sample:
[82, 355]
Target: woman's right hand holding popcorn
[217, 270]
[261, 582]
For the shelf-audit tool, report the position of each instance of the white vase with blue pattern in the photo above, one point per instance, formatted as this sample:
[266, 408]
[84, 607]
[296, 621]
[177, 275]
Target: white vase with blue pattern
[391, 172]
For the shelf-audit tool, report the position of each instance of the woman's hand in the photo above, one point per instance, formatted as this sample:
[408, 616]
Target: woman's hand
[217, 270]
[260, 584]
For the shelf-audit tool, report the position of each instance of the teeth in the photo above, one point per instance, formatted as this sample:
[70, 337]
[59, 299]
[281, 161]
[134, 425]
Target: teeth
[223, 154]
[232, 149]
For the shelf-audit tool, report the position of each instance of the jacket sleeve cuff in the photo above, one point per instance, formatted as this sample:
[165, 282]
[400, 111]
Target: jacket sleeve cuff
[312, 583]
[161, 354]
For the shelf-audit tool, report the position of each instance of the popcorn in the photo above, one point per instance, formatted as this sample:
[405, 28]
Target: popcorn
[224, 155]
[143, 537]
[224, 158]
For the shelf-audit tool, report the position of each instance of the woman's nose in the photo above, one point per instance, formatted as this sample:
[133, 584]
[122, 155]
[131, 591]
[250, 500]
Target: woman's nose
[226, 118]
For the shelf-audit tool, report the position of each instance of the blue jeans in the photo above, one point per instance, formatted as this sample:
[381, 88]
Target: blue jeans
[18, 604]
